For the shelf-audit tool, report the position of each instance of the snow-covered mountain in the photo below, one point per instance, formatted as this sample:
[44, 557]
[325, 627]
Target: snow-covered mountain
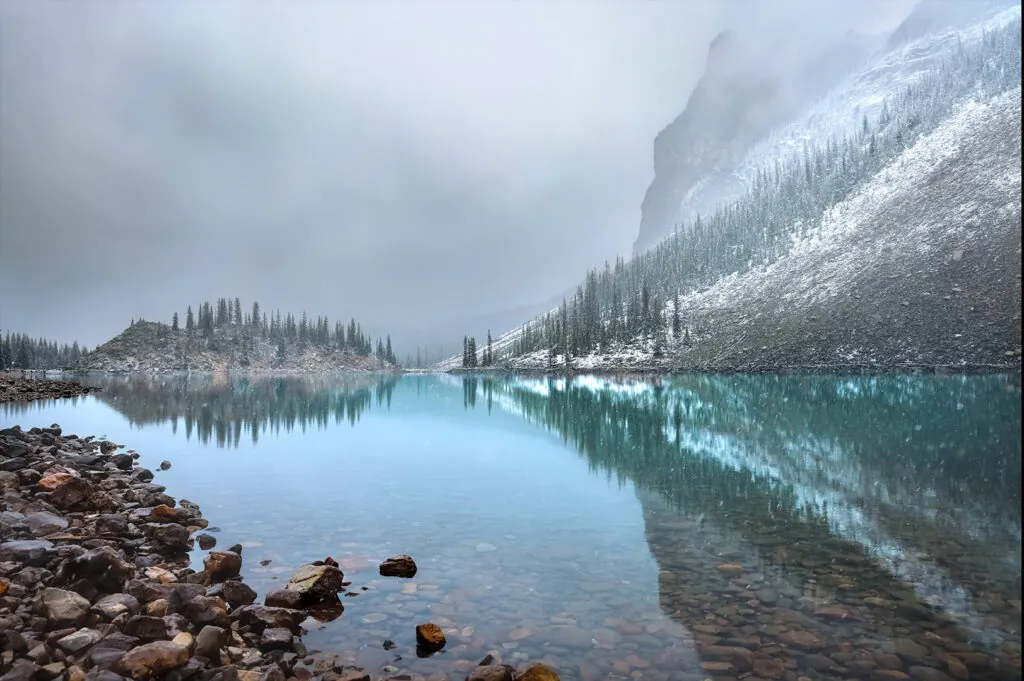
[707, 172]
[878, 229]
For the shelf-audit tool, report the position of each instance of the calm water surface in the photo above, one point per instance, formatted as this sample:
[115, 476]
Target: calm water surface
[833, 527]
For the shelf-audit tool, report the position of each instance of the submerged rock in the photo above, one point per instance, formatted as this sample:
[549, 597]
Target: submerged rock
[492, 672]
[539, 672]
[430, 636]
[398, 566]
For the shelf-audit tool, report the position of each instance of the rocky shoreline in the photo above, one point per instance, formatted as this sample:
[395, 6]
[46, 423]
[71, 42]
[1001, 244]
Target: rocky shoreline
[96, 582]
[751, 370]
[18, 388]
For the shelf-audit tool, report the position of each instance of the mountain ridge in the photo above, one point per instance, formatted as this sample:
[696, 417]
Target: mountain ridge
[782, 231]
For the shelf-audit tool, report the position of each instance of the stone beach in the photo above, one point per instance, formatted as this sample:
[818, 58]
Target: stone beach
[96, 582]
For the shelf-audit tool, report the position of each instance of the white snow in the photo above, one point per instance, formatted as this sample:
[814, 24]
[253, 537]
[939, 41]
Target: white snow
[834, 244]
[840, 111]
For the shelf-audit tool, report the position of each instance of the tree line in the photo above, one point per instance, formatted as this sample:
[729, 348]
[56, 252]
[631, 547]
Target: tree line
[639, 300]
[19, 351]
[287, 330]
[471, 358]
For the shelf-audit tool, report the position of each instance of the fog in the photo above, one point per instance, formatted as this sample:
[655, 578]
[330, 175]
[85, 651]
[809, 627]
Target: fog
[412, 164]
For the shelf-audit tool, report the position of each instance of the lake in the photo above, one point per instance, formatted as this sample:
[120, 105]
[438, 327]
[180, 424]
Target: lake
[677, 529]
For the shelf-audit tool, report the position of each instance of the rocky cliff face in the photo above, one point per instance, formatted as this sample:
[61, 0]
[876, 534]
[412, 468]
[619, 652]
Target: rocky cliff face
[747, 89]
[930, 16]
[153, 347]
[750, 88]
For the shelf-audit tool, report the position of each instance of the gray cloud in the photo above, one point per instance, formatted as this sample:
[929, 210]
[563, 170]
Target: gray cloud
[408, 163]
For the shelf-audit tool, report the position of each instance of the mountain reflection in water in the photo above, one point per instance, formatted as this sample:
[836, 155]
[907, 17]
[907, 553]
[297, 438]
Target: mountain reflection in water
[821, 526]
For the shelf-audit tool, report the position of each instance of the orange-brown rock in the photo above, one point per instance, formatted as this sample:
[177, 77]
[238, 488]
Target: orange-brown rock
[539, 672]
[430, 636]
[222, 564]
[163, 513]
[52, 481]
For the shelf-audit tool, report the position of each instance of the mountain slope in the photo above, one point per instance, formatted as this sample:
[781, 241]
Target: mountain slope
[922, 266]
[919, 266]
[854, 88]
[745, 92]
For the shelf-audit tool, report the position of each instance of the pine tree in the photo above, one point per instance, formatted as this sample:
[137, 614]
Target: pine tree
[190, 322]
[174, 321]
[675, 319]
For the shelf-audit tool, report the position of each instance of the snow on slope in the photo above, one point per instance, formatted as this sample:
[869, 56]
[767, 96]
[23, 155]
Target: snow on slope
[837, 113]
[835, 244]
[881, 222]
[841, 111]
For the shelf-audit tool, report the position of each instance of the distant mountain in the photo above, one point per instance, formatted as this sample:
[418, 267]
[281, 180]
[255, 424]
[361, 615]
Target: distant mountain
[223, 338]
[746, 91]
[751, 87]
[878, 229]
[935, 16]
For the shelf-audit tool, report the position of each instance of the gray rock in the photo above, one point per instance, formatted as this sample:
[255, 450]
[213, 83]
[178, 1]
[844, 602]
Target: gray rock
[169, 538]
[260, 617]
[123, 462]
[283, 598]
[112, 605]
[102, 567]
[102, 657]
[63, 608]
[112, 523]
[21, 670]
[317, 583]
[237, 594]
[102, 674]
[180, 595]
[176, 624]
[276, 639]
[209, 642]
[146, 628]
[28, 551]
[42, 523]
[80, 641]
[151, 660]
[493, 672]
[205, 610]
[922, 673]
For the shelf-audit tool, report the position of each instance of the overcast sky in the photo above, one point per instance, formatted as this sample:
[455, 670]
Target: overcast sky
[402, 162]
